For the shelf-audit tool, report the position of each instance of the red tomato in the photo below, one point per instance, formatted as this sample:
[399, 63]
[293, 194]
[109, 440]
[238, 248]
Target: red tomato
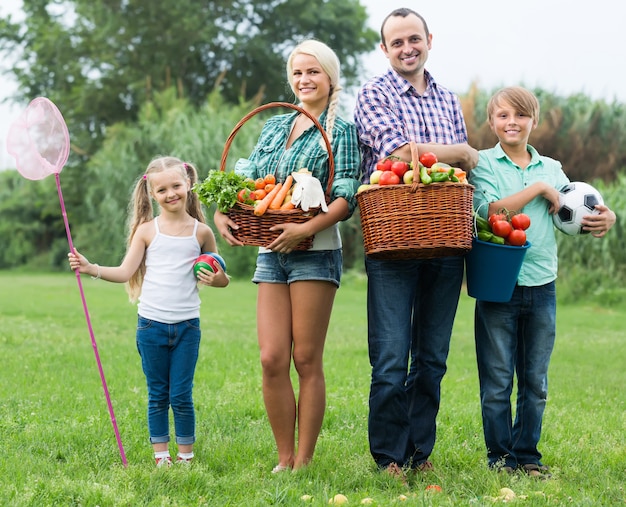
[501, 228]
[428, 159]
[496, 217]
[517, 237]
[384, 165]
[399, 167]
[389, 178]
[244, 195]
[520, 221]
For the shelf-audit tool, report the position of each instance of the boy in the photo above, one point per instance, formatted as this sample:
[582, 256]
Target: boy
[518, 336]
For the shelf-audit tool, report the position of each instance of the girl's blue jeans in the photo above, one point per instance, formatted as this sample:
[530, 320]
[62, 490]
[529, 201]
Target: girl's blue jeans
[169, 353]
[515, 338]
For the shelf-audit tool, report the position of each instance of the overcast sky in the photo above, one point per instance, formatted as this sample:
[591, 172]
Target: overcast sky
[563, 46]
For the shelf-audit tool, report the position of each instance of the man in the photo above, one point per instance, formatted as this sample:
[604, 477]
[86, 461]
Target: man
[411, 304]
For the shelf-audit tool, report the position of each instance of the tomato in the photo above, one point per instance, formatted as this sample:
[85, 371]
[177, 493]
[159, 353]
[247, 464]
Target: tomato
[496, 217]
[428, 159]
[389, 178]
[245, 196]
[520, 221]
[259, 183]
[399, 167]
[384, 165]
[269, 179]
[501, 228]
[517, 237]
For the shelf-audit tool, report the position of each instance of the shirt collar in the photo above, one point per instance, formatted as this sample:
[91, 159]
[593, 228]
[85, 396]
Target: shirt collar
[534, 154]
[405, 88]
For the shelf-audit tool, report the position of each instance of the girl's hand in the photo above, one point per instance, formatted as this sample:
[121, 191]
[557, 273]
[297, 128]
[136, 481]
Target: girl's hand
[80, 262]
[225, 226]
[599, 225]
[219, 279]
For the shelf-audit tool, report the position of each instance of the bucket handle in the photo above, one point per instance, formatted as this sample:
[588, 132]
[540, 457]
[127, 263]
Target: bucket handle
[475, 215]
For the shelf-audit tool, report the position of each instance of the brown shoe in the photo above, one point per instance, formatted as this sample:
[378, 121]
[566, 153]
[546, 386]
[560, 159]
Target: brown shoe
[424, 466]
[540, 472]
[396, 472]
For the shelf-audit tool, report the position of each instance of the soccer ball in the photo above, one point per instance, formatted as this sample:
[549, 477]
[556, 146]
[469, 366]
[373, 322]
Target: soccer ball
[576, 199]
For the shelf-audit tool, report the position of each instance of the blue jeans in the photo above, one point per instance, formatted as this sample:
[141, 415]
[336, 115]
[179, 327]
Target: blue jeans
[515, 338]
[169, 353]
[411, 305]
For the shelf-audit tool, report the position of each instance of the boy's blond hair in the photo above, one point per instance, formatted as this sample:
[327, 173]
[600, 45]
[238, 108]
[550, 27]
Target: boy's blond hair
[522, 100]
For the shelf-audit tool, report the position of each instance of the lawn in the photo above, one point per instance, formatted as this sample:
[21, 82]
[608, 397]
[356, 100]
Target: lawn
[59, 447]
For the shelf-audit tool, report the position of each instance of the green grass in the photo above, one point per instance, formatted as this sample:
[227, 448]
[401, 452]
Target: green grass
[59, 448]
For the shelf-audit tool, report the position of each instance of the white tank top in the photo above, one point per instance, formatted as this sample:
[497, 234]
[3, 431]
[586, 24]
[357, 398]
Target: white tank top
[169, 293]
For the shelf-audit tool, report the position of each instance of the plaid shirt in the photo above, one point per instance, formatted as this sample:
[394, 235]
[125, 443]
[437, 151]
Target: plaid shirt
[270, 155]
[389, 113]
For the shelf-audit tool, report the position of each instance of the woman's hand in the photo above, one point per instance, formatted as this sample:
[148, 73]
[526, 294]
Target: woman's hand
[292, 234]
[225, 226]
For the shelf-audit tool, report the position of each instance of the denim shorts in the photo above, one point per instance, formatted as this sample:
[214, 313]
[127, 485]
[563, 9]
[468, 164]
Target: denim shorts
[325, 265]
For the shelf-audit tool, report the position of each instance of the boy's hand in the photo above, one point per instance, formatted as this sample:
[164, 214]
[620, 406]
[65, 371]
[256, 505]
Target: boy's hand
[551, 195]
[599, 225]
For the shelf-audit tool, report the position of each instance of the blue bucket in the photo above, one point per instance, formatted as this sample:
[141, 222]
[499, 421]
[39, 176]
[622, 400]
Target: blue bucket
[492, 270]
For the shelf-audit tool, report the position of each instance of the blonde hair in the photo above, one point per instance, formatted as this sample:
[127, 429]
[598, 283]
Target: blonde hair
[521, 99]
[141, 209]
[330, 65]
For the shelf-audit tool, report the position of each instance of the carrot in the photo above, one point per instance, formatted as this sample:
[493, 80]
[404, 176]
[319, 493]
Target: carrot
[280, 196]
[288, 205]
[261, 208]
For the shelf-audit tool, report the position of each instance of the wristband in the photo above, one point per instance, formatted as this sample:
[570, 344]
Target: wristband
[97, 277]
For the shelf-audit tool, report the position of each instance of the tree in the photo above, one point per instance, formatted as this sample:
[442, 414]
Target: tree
[99, 61]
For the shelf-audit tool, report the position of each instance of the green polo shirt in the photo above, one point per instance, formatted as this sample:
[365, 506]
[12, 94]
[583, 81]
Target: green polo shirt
[496, 177]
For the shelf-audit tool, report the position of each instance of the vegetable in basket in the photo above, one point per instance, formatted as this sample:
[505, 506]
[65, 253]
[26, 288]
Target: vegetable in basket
[222, 188]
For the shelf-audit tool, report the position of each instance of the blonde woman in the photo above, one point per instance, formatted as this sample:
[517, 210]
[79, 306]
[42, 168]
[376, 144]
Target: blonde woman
[296, 289]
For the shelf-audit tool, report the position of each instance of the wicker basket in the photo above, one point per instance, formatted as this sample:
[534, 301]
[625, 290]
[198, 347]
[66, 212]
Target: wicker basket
[416, 221]
[254, 230]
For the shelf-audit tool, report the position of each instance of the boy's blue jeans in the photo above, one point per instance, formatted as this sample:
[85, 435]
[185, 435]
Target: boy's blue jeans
[169, 353]
[411, 305]
[515, 338]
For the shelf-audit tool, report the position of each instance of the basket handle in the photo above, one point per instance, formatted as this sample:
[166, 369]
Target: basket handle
[269, 105]
[415, 161]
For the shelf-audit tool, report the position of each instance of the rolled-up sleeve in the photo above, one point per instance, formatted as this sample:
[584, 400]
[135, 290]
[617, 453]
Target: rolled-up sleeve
[347, 164]
[486, 185]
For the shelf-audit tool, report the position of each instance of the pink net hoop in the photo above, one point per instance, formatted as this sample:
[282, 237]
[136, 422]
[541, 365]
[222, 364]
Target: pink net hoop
[39, 140]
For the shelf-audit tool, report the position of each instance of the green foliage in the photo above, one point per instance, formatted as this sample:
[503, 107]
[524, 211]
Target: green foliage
[30, 221]
[166, 126]
[587, 136]
[221, 188]
[61, 450]
[100, 61]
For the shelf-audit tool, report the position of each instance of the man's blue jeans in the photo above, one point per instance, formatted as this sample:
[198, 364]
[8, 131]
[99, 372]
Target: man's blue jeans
[169, 353]
[515, 338]
[411, 305]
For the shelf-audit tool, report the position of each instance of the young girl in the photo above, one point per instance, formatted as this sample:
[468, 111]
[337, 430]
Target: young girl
[297, 288]
[517, 337]
[158, 267]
